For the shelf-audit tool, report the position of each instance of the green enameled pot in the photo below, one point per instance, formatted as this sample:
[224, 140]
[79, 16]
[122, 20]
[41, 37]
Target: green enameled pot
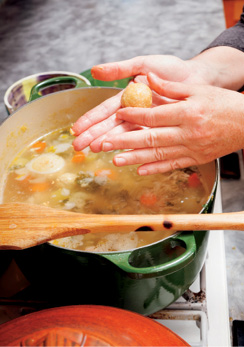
[144, 280]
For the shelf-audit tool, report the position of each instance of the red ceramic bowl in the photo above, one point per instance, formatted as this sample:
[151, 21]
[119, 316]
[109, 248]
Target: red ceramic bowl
[86, 325]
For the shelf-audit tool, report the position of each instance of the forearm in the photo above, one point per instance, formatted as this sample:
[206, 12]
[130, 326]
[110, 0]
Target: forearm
[222, 62]
[220, 66]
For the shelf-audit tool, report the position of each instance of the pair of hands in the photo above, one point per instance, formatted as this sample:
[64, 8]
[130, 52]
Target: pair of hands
[190, 122]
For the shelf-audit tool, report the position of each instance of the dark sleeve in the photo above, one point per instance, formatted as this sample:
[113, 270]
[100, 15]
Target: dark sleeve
[232, 37]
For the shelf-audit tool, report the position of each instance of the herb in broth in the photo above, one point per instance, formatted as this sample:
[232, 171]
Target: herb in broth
[49, 172]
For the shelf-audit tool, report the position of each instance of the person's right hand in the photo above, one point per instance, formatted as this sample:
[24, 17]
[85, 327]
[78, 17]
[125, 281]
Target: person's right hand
[203, 124]
[91, 128]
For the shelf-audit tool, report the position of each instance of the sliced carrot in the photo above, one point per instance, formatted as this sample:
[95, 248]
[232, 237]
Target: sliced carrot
[193, 180]
[78, 157]
[39, 187]
[39, 146]
[106, 173]
[148, 199]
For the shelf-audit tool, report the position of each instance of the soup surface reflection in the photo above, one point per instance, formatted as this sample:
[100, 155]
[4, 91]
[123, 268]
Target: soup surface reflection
[49, 172]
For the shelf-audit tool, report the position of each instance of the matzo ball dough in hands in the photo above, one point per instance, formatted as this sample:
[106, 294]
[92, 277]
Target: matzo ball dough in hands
[92, 128]
[203, 124]
[136, 95]
[101, 124]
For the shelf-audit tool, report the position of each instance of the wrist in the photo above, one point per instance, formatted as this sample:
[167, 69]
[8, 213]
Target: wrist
[220, 66]
[203, 72]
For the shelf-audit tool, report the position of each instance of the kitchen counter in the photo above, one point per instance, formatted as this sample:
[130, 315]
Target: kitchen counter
[45, 35]
[37, 35]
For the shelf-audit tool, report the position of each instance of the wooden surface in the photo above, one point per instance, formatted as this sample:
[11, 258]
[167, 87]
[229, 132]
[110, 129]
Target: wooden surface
[25, 225]
[86, 325]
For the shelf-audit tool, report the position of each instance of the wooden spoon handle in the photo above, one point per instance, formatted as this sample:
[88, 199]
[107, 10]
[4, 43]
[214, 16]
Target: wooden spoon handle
[24, 225]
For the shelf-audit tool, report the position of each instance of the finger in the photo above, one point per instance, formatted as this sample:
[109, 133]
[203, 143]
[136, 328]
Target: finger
[160, 100]
[96, 146]
[148, 138]
[172, 90]
[165, 166]
[156, 98]
[88, 136]
[97, 114]
[160, 116]
[118, 70]
[141, 79]
[149, 155]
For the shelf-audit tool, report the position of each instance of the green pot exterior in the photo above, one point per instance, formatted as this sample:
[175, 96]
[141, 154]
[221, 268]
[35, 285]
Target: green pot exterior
[66, 277]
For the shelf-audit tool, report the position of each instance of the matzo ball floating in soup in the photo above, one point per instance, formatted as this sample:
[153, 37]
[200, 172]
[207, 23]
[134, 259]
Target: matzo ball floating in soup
[49, 172]
[137, 95]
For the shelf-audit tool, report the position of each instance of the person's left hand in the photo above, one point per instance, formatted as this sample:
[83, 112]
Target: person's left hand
[203, 123]
[94, 124]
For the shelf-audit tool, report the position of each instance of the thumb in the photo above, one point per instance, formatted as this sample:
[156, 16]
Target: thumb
[118, 70]
[171, 90]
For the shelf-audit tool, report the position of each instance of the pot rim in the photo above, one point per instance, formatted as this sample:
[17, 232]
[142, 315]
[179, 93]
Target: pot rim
[54, 93]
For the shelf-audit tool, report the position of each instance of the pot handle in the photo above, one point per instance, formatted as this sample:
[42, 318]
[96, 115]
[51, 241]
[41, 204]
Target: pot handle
[35, 91]
[187, 240]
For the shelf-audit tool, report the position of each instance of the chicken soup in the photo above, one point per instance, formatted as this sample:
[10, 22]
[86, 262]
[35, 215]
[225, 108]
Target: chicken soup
[49, 172]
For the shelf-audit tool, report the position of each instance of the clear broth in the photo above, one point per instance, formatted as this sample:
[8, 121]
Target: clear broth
[49, 172]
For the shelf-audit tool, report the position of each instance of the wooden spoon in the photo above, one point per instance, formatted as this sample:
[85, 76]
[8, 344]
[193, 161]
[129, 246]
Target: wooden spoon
[25, 225]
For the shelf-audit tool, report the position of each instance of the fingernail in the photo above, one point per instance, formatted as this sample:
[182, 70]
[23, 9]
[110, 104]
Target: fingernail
[94, 68]
[107, 146]
[72, 132]
[142, 172]
[119, 161]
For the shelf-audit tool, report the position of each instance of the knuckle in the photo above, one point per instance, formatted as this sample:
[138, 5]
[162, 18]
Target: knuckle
[159, 154]
[148, 118]
[151, 139]
[174, 165]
